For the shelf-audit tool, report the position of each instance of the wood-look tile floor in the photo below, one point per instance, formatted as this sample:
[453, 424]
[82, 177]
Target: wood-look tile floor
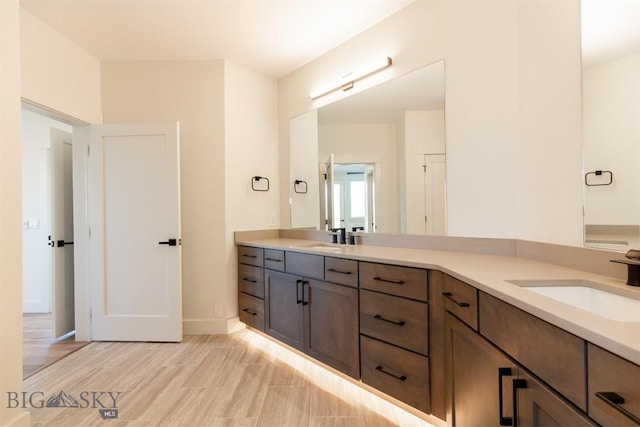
[241, 379]
[40, 349]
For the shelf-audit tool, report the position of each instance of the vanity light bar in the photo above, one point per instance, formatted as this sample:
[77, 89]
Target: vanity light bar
[347, 81]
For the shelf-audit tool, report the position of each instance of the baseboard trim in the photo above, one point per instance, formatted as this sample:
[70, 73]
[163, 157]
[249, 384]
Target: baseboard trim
[211, 326]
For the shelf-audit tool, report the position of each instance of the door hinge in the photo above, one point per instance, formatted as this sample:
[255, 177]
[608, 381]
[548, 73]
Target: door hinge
[424, 168]
[425, 218]
[88, 150]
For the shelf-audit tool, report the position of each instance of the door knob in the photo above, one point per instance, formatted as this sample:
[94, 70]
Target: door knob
[62, 243]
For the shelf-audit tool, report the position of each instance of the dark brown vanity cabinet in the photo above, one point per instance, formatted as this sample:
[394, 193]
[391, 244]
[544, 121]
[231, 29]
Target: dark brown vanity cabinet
[446, 294]
[488, 388]
[614, 388]
[251, 286]
[314, 316]
[394, 336]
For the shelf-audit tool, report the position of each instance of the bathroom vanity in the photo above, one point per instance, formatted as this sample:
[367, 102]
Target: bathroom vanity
[451, 334]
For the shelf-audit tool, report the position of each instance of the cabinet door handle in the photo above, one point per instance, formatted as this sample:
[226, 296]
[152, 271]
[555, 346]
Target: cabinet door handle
[517, 384]
[253, 313]
[379, 317]
[273, 259]
[400, 377]
[333, 270]
[615, 400]
[299, 292]
[449, 296]
[305, 302]
[395, 282]
[503, 372]
[246, 279]
[249, 256]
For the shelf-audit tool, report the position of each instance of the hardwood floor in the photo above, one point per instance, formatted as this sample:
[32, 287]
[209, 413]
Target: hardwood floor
[241, 379]
[40, 349]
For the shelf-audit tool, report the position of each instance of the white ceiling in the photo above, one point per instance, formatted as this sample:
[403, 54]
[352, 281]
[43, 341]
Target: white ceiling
[273, 37]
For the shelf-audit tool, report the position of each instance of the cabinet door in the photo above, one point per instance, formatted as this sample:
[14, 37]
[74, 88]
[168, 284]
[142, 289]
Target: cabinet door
[538, 406]
[479, 379]
[331, 325]
[283, 308]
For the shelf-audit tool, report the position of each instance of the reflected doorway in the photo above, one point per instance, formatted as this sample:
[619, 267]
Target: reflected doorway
[350, 202]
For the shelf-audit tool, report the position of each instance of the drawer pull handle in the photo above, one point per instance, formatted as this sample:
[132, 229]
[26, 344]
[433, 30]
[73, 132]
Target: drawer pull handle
[504, 421]
[273, 259]
[251, 312]
[249, 256]
[615, 400]
[400, 323]
[333, 270]
[381, 369]
[449, 296]
[246, 279]
[395, 282]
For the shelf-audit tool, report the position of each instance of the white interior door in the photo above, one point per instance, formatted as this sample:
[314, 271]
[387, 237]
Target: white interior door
[61, 239]
[329, 198]
[371, 211]
[435, 194]
[134, 204]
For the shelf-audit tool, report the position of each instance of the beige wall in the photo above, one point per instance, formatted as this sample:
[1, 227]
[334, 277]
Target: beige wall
[10, 214]
[251, 148]
[57, 73]
[193, 94]
[227, 121]
[498, 117]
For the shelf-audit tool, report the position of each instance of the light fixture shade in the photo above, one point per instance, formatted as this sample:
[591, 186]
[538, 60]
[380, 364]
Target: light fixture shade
[347, 81]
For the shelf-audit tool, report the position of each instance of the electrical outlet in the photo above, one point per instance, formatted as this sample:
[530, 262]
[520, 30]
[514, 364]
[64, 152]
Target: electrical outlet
[272, 220]
[217, 310]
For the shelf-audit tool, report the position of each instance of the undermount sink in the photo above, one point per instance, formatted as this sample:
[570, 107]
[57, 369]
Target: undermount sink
[325, 247]
[594, 297]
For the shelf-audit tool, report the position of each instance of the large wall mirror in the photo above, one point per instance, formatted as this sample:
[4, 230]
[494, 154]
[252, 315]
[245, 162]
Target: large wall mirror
[375, 160]
[611, 123]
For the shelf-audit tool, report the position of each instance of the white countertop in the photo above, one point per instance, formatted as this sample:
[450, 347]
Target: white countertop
[490, 274]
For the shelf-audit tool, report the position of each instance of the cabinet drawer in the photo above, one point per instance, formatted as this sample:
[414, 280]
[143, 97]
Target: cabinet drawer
[610, 373]
[305, 265]
[251, 280]
[274, 259]
[342, 271]
[395, 320]
[537, 345]
[396, 372]
[251, 311]
[461, 300]
[392, 279]
[251, 256]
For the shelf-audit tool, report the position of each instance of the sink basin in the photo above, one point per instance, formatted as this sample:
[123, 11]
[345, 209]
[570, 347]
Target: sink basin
[588, 296]
[324, 247]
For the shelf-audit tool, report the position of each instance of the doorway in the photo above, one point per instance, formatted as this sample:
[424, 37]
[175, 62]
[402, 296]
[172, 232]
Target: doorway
[352, 197]
[48, 258]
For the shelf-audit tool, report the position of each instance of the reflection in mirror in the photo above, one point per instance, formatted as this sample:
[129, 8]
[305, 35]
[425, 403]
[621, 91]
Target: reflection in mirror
[611, 123]
[388, 150]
